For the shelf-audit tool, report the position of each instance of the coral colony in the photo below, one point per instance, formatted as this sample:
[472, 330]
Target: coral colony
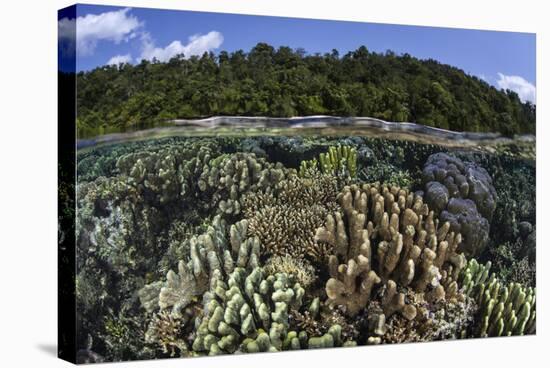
[192, 246]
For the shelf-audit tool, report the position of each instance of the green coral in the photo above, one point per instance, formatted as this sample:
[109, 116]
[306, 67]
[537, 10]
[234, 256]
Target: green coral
[505, 309]
[251, 313]
[340, 161]
[213, 255]
[238, 311]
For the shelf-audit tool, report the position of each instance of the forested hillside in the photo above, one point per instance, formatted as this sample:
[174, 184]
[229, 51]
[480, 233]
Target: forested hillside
[285, 82]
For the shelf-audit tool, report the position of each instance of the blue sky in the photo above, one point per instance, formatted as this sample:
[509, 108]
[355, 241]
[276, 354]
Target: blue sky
[114, 34]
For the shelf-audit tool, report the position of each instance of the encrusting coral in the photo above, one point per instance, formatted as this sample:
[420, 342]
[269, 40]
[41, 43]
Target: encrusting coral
[504, 310]
[385, 241]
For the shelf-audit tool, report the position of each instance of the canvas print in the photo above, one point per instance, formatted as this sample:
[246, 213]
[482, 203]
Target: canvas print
[245, 184]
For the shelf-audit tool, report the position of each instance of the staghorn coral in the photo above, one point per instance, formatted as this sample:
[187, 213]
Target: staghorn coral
[300, 269]
[339, 161]
[385, 239]
[285, 220]
[504, 309]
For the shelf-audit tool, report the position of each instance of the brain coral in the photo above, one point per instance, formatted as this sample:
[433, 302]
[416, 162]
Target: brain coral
[445, 178]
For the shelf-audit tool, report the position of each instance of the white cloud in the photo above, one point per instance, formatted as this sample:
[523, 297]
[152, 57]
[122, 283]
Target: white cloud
[120, 59]
[525, 90]
[196, 45]
[115, 26]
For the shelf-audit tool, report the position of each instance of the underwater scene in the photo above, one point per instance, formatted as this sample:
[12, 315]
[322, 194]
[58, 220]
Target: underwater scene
[240, 236]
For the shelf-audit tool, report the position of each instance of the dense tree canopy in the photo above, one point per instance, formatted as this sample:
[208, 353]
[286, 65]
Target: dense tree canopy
[285, 82]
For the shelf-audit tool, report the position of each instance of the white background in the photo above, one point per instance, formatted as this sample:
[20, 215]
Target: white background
[28, 174]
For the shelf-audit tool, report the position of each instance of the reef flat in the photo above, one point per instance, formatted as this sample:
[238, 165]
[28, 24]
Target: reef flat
[191, 246]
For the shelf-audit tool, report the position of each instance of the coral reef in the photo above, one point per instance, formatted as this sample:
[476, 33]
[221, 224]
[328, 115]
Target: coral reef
[204, 246]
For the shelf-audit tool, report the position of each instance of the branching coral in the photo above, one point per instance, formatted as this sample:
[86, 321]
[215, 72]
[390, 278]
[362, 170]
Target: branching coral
[213, 255]
[227, 177]
[339, 161]
[251, 313]
[166, 175]
[504, 309]
[386, 239]
[285, 220]
[300, 269]
[237, 312]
